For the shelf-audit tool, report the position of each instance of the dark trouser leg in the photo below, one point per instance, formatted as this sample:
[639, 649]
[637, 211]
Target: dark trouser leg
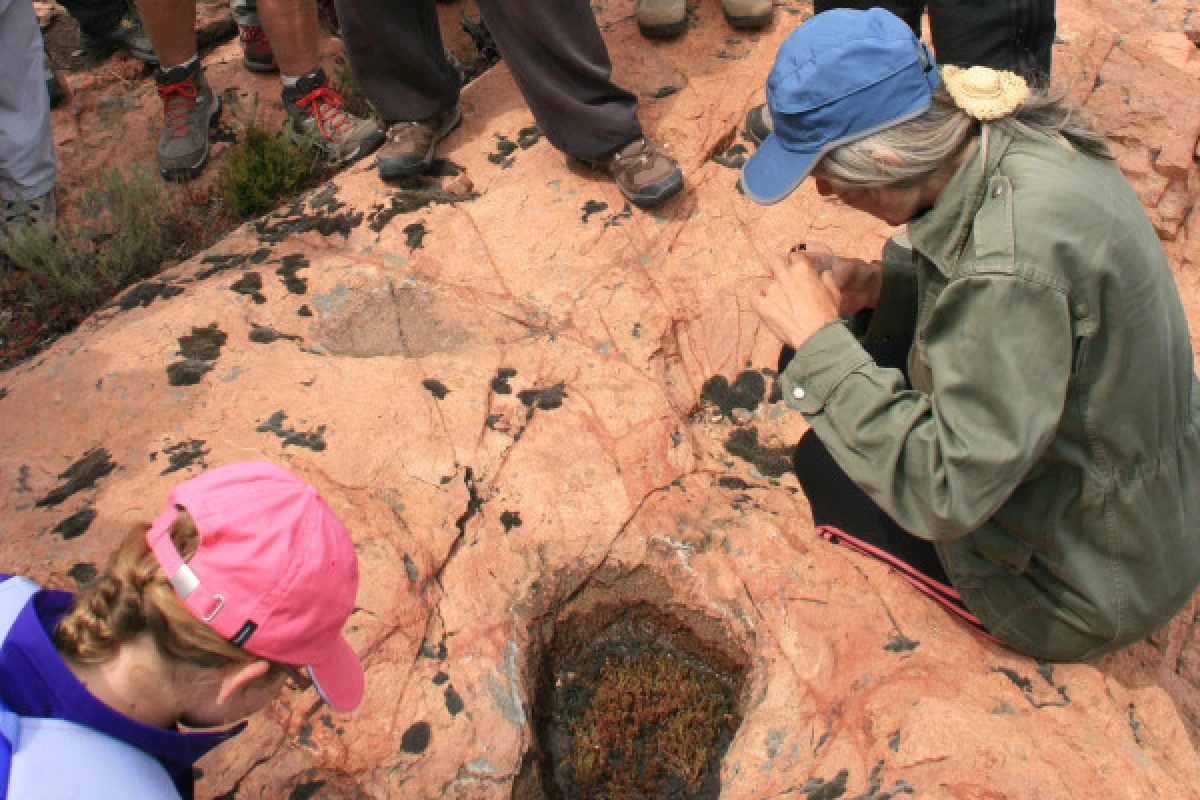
[95, 17]
[908, 10]
[395, 49]
[1016, 35]
[560, 63]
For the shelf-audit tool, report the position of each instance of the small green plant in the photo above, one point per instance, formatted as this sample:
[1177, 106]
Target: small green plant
[81, 265]
[260, 170]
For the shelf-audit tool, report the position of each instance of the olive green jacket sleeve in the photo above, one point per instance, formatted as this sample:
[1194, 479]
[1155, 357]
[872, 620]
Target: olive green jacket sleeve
[941, 463]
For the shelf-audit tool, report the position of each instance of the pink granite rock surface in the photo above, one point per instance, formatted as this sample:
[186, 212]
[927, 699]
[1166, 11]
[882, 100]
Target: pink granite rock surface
[500, 393]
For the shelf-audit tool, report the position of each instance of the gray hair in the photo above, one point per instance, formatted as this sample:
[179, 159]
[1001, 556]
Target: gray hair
[930, 140]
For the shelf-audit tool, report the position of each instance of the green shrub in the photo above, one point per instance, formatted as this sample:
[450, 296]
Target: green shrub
[261, 169]
[80, 266]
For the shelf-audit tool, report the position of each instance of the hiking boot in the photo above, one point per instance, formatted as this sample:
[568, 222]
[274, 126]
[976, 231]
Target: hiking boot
[257, 55]
[643, 171]
[411, 146]
[128, 35]
[748, 14]
[759, 124]
[19, 217]
[190, 108]
[661, 19]
[318, 120]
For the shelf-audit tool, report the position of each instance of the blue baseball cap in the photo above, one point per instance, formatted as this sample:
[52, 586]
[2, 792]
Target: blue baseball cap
[840, 76]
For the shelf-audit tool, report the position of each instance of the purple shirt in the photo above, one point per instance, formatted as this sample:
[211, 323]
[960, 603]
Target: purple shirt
[35, 682]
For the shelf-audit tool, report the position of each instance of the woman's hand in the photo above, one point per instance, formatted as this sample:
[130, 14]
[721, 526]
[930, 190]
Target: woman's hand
[859, 283]
[798, 301]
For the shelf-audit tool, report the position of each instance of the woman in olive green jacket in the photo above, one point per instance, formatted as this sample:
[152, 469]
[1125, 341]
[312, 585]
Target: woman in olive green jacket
[1035, 463]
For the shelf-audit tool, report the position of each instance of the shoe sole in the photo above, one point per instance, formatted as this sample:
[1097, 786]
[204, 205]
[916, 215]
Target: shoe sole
[182, 174]
[656, 195]
[667, 30]
[749, 23]
[404, 168]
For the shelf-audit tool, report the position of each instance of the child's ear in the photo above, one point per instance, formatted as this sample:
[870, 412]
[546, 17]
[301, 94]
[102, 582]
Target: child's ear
[237, 678]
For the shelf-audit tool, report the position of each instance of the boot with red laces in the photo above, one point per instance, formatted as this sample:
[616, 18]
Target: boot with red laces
[190, 108]
[257, 55]
[318, 119]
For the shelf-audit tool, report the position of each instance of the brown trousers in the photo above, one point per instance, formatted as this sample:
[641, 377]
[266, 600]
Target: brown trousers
[552, 48]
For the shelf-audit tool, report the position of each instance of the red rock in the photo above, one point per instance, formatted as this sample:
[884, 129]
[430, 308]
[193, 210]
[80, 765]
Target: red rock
[470, 364]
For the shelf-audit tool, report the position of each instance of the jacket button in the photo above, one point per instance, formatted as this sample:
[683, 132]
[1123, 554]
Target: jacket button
[798, 393]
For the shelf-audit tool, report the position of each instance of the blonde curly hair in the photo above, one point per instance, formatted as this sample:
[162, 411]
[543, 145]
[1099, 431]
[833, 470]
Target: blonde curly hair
[133, 597]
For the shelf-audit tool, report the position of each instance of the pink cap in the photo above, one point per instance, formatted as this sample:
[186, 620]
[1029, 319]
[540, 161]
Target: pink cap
[275, 571]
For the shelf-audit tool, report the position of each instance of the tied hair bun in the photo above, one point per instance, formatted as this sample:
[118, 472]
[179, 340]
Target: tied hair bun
[985, 93]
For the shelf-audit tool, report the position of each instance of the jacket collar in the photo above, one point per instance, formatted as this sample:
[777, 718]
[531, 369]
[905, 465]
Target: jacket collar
[35, 682]
[941, 233]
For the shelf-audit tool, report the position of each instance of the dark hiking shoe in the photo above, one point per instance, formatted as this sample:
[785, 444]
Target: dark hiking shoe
[190, 108]
[411, 146]
[748, 14]
[758, 123]
[643, 171]
[257, 55]
[128, 35]
[661, 19]
[317, 119]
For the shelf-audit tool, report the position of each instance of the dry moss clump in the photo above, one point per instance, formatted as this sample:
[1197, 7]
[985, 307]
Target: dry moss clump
[655, 726]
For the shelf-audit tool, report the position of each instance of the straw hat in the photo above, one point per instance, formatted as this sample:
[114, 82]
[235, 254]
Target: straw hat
[985, 93]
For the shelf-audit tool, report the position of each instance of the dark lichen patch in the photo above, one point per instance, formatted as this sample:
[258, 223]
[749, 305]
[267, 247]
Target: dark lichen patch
[731, 482]
[733, 158]
[894, 741]
[504, 149]
[746, 393]
[307, 790]
[1135, 725]
[304, 311]
[770, 461]
[3, 393]
[435, 388]
[416, 738]
[313, 440]
[77, 524]
[146, 293]
[499, 383]
[408, 200]
[289, 265]
[219, 262]
[899, 643]
[454, 702]
[410, 569]
[187, 372]
[1026, 687]
[592, 207]
[83, 474]
[182, 455]
[265, 334]
[203, 343]
[250, 285]
[665, 91]
[317, 212]
[199, 350]
[1020, 681]
[259, 256]
[414, 235]
[440, 678]
[528, 137]
[546, 398]
[614, 220]
[631, 715]
[84, 574]
[510, 520]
